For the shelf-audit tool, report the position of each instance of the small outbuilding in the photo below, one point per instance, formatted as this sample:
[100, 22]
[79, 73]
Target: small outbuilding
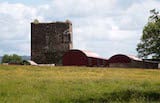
[76, 57]
[126, 61]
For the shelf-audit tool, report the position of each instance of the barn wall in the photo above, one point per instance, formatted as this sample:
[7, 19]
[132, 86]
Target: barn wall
[97, 62]
[143, 64]
[120, 65]
[135, 64]
[75, 58]
[151, 65]
[92, 62]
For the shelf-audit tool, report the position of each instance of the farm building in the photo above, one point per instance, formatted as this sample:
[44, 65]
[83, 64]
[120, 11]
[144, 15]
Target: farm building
[126, 61]
[83, 58]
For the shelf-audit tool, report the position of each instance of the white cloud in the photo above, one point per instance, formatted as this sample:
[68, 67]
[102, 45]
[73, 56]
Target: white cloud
[81, 8]
[15, 26]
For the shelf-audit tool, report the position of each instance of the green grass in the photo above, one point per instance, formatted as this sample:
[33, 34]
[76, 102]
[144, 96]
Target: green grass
[31, 84]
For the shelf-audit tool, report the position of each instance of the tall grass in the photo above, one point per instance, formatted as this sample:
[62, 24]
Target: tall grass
[31, 84]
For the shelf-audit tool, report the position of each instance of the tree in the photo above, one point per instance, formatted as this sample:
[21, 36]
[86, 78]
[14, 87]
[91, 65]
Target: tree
[150, 40]
[154, 17]
[6, 59]
[12, 59]
[16, 59]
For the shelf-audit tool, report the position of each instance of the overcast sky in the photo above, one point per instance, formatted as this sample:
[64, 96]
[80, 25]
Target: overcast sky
[106, 27]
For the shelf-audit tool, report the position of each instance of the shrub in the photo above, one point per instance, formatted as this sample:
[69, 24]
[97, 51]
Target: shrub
[15, 59]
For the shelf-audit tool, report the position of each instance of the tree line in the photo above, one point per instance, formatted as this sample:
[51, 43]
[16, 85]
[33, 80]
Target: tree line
[13, 59]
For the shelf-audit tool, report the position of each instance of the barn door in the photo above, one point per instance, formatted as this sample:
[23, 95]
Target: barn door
[98, 62]
[90, 61]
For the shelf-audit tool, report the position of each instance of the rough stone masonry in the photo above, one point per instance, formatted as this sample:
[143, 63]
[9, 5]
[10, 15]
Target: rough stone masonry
[49, 41]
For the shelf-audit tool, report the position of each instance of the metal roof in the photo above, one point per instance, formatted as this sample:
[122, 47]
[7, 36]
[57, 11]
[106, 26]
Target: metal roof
[129, 56]
[88, 53]
[134, 57]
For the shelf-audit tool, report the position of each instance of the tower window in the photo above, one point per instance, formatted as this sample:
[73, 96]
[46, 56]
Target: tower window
[66, 38]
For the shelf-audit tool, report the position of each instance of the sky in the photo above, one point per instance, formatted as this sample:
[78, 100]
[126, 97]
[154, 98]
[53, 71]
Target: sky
[106, 27]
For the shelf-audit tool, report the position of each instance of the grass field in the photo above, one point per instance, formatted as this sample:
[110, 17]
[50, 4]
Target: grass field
[31, 84]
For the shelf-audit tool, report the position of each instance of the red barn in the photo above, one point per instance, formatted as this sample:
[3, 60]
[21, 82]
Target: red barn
[83, 58]
[121, 60]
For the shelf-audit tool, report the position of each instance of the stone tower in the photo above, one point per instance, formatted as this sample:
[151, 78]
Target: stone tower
[49, 41]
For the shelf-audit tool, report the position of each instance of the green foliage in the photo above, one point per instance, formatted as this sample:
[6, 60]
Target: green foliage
[155, 16]
[33, 84]
[6, 59]
[150, 40]
[11, 59]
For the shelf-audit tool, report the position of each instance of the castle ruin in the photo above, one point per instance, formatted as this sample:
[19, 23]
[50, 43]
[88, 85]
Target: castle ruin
[49, 41]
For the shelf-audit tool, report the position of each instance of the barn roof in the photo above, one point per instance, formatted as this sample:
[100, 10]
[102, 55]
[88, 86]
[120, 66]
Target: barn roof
[134, 58]
[88, 53]
[129, 56]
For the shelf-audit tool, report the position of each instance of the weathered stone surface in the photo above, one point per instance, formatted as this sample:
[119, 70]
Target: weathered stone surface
[49, 41]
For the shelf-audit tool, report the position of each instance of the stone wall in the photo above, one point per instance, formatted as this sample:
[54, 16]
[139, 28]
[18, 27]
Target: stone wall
[49, 41]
